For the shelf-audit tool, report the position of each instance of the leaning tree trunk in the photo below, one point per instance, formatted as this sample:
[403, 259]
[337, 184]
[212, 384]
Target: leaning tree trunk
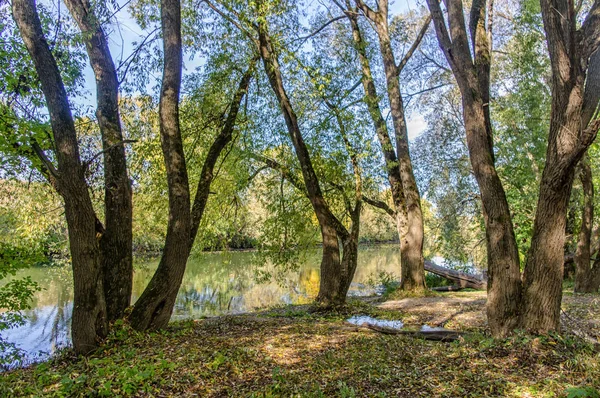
[472, 76]
[89, 322]
[224, 137]
[329, 290]
[544, 268]
[154, 307]
[116, 240]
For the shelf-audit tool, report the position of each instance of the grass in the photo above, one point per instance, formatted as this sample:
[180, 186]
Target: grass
[291, 351]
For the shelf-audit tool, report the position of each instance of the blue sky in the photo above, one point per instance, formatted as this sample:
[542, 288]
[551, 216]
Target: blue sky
[126, 31]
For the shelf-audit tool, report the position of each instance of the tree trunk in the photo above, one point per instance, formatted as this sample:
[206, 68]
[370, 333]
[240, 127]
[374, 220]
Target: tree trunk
[472, 76]
[116, 240]
[413, 273]
[568, 140]
[583, 252]
[154, 307]
[330, 285]
[408, 251]
[89, 323]
[225, 137]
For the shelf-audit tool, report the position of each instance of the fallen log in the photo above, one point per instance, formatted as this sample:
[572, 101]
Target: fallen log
[447, 288]
[459, 278]
[432, 335]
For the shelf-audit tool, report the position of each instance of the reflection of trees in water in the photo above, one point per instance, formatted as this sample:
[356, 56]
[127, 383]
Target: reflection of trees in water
[376, 259]
[53, 326]
[213, 284]
[47, 325]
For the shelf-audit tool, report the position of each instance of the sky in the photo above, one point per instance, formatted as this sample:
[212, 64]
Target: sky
[126, 31]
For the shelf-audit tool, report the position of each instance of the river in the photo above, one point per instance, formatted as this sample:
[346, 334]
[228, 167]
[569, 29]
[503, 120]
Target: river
[214, 284]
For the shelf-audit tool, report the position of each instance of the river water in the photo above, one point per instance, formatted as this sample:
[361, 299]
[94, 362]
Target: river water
[214, 284]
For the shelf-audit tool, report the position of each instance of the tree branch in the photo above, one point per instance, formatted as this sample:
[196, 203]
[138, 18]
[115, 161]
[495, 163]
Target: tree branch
[590, 30]
[368, 11]
[326, 24]
[97, 155]
[415, 44]
[283, 170]
[233, 22]
[380, 205]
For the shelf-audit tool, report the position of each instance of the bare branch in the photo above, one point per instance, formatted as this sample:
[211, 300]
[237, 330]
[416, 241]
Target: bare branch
[428, 89]
[326, 24]
[415, 44]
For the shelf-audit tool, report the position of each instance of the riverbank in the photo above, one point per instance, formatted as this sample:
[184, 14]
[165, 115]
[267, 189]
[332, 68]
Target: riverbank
[291, 351]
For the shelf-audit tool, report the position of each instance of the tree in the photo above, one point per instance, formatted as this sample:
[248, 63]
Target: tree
[399, 166]
[567, 141]
[569, 137]
[116, 235]
[336, 272]
[337, 263]
[89, 322]
[154, 307]
[472, 73]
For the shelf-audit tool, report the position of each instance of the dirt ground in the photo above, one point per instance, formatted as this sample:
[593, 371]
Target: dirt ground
[466, 311]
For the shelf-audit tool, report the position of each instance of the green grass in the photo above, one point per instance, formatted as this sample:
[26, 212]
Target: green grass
[291, 351]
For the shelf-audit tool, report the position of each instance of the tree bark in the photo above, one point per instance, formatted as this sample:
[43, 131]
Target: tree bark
[337, 269]
[568, 139]
[472, 76]
[412, 271]
[389, 155]
[224, 137]
[583, 277]
[154, 307]
[116, 240]
[89, 322]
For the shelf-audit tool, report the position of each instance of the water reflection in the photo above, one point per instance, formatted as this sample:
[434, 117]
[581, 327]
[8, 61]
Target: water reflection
[214, 284]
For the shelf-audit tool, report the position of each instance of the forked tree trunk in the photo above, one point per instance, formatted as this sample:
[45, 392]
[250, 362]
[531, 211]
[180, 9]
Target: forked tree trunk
[154, 307]
[89, 322]
[116, 240]
[412, 271]
[472, 76]
[164, 271]
[350, 239]
[568, 140]
[391, 160]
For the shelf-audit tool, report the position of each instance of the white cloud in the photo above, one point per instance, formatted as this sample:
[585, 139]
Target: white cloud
[416, 125]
